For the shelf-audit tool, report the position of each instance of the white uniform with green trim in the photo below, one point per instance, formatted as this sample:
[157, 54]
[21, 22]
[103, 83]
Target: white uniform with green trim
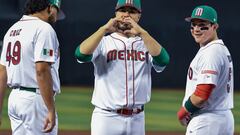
[122, 70]
[212, 65]
[28, 41]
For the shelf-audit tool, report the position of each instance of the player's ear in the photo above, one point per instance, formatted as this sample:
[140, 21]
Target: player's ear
[215, 26]
[139, 16]
[49, 10]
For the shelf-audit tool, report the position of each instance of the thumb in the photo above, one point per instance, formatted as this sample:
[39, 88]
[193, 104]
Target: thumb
[46, 123]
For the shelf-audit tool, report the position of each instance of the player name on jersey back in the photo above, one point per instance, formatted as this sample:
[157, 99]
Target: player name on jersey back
[14, 33]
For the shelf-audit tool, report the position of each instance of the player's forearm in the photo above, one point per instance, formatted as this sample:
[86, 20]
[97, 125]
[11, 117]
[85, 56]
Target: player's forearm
[152, 45]
[201, 94]
[3, 85]
[45, 83]
[2, 93]
[197, 101]
[90, 44]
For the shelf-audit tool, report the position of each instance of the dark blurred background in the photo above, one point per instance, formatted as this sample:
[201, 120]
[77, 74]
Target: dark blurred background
[163, 19]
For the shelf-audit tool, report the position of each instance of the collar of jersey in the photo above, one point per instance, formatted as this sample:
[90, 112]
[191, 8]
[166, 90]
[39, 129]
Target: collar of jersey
[116, 35]
[27, 17]
[218, 41]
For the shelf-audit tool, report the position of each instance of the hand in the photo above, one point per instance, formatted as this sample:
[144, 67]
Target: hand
[50, 122]
[135, 28]
[183, 116]
[111, 25]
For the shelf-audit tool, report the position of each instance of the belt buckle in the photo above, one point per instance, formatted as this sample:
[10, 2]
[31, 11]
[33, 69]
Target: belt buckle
[129, 112]
[122, 111]
[135, 110]
[125, 112]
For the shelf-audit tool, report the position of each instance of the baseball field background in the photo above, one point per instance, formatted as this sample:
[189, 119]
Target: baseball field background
[164, 20]
[74, 110]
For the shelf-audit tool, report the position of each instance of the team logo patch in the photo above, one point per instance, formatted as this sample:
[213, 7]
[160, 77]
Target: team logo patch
[209, 72]
[199, 12]
[129, 1]
[47, 52]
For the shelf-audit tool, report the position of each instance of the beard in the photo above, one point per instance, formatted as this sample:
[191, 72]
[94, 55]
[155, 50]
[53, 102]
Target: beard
[123, 26]
[51, 19]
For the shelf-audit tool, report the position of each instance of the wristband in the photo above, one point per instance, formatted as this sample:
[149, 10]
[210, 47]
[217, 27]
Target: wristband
[191, 107]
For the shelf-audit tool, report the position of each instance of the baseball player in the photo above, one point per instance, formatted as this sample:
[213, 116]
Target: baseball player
[29, 66]
[122, 67]
[206, 108]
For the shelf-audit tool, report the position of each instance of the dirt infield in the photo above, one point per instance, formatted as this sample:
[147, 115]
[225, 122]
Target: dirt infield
[88, 133]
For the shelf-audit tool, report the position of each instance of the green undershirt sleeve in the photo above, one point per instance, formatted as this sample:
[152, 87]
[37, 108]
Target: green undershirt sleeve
[162, 59]
[82, 57]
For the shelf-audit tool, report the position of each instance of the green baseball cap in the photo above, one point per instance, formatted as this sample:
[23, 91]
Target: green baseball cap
[203, 12]
[129, 3]
[57, 3]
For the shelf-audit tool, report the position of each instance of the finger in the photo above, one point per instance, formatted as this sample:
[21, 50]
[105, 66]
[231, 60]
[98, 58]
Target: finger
[183, 122]
[188, 120]
[129, 20]
[45, 124]
[118, 19]
[127, 31]
[49, 127]
[120, 31]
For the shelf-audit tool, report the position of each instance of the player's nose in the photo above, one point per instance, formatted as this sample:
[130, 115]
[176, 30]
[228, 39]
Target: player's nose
[196, 28]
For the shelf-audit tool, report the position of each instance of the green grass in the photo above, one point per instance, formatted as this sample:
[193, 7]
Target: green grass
[75, 109]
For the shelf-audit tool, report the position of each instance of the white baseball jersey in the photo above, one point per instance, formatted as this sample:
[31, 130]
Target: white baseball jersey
[28, 41]
[122, 69]
[212, 65]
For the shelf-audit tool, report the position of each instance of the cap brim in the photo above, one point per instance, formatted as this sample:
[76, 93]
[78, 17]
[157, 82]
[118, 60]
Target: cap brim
[127, 5]
[61, 15]
[188, 19]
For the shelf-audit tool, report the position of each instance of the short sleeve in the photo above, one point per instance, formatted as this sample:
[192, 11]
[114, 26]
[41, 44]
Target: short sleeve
[98, 50]
[209, 69]
[45, 44]
[156, 66]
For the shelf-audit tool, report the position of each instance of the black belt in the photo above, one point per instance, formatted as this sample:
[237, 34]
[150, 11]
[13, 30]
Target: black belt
[127, 111]
[25, 88]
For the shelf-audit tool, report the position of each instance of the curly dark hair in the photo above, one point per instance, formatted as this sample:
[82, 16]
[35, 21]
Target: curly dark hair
[34, 6]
